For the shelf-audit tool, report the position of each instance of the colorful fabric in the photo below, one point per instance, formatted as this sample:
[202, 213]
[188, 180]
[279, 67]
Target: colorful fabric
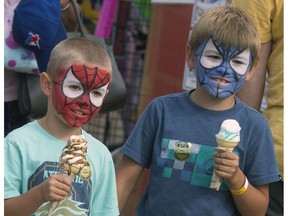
[196, 170]
[16, 57]
[37, 26]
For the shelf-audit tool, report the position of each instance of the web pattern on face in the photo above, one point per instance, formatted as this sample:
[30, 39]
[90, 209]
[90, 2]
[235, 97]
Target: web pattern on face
[87, 76]
[90, 79]
[223, 70]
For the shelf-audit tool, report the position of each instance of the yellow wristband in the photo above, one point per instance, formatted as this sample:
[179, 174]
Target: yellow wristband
[242, 189]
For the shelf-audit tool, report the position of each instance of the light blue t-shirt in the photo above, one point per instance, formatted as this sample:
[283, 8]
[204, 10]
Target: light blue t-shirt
[32, 155]
[182, 187]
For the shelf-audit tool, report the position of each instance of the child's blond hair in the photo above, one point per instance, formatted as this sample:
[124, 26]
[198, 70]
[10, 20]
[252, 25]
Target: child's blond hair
[78, 51]
[228, 25]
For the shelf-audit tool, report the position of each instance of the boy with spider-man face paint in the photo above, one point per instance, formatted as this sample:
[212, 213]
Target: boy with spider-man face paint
[223, 49]
[79, 93]
[77, 80]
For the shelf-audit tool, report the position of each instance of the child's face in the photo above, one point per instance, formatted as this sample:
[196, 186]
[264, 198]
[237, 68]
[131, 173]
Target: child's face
[78, 93]
[221, 71]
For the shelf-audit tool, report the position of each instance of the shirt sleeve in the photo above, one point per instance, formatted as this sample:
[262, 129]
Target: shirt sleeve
[12, 170]
[260, 152]
[139, 145]
[105, 202]
[262, 15]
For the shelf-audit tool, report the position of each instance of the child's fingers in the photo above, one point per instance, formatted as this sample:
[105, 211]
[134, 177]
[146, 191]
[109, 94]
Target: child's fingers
[225, 154]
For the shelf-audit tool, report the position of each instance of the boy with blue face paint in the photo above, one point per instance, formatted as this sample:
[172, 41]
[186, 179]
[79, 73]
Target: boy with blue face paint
[223, 48]
[221, 71]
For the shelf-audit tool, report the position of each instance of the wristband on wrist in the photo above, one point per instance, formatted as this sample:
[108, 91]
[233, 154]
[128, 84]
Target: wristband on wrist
[242, 189]
[66, 6]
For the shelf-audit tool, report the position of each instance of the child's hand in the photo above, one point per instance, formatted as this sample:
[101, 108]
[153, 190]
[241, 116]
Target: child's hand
[226, 164]
[56, 187]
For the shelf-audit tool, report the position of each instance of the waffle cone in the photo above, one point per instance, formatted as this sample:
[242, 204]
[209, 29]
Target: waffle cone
[226, 143]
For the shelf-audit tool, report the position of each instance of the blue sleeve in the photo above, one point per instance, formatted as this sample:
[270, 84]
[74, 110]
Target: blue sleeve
[261, 166]
[139, 145]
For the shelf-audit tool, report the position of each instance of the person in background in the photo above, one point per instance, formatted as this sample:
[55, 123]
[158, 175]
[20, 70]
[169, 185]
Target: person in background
[12, 116]
[76, 82]
[268, 17]
[224, 49]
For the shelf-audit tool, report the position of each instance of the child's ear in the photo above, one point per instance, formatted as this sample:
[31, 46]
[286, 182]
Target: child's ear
[189, 57]
[251, 72]
[46, 83]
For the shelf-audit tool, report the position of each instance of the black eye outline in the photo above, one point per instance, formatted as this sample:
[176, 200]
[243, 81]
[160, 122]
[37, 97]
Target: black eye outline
[238, 62]
[75, 87]
[96, 93]
[214, 57]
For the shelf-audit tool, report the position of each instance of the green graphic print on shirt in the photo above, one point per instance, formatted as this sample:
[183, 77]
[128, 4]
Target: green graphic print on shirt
[197, 170]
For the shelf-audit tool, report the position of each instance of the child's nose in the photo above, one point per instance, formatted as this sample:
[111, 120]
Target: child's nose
[224, 68]
[84, 100]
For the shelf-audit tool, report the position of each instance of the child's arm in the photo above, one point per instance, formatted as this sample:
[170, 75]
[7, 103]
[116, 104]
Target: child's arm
[254, 201]
[127, 175]
[56, 187]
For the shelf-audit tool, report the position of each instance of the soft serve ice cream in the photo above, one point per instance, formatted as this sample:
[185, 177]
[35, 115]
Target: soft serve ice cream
[227, 138]
[229, 134]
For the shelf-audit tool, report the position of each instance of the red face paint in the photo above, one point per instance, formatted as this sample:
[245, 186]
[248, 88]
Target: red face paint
[78, 93]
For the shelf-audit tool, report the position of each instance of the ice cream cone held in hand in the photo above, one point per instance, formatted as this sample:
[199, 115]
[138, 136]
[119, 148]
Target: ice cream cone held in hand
[229, 134]
[72, 162]
[227, 139]
[73, 158]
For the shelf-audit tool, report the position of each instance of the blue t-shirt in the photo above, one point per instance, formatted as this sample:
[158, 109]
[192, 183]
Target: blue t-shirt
[182, 187]
[32, 155]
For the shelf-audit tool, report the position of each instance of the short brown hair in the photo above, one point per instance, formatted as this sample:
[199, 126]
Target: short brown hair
[229, 25]
[78, 51]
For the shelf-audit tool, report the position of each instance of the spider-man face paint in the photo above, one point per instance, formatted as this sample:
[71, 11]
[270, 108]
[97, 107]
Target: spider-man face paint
[221, 71]
[78, 93]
